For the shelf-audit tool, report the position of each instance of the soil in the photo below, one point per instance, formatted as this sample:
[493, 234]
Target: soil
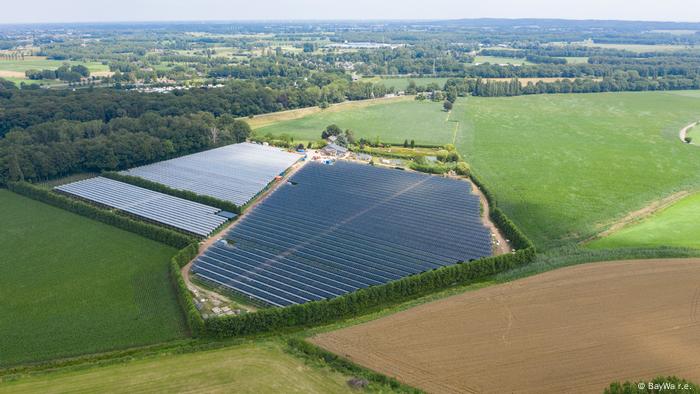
[575, 329]
[12, 74]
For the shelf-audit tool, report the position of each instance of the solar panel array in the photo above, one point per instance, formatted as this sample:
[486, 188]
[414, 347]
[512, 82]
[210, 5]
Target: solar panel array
[234, 173]
[176, 212]
[335, 229]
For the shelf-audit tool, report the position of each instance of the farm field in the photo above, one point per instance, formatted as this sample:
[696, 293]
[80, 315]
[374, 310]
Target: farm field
[14, 69]
[251, 368]
[640, 48]
[500, 60]
[677, 225]
[575, 329]
[401, 83]
[72, 286]
[579, 162]
[425, 122]
[564, 167]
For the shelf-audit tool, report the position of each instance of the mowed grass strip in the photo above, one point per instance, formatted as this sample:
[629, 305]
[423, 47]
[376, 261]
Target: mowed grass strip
[71, 285]
[677, 225]
[565, 167]
[393, 121]
[251, 368]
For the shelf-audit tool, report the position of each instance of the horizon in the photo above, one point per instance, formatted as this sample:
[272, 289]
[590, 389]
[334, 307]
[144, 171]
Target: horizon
[84, 11]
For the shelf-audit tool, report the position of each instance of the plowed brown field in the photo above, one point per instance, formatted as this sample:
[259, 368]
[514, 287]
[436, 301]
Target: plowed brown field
[572, 330]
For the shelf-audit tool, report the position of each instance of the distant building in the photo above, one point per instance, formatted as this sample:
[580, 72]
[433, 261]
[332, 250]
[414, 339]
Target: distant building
[334, 150]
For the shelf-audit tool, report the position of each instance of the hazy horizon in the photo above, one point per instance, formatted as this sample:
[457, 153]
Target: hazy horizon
[89, 11]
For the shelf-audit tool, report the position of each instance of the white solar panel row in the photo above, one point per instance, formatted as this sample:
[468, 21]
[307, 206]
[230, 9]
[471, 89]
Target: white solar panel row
[183, 214]
[233, 173]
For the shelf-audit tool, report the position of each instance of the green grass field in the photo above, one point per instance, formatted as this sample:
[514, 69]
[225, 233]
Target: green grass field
[500, 60]
[252, 368]
[694, 133]
[40, 63]
[71, 285]
[425, 122]
[677, 225]
[401, 83]
[564, 167]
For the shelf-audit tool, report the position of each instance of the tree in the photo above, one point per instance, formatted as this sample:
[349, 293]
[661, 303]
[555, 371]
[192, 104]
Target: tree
[447, 105]
[331, 130]
[350, 136]
[413, 144]
[405, 143]
[15, 170]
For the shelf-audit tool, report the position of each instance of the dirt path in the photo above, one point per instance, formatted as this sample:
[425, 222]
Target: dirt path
[571, 330]
[684, 131]
[502, 246]
[641, 214]
[211, 240]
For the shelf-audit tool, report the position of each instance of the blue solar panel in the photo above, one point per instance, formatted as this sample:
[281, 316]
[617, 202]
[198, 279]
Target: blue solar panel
[335, 229]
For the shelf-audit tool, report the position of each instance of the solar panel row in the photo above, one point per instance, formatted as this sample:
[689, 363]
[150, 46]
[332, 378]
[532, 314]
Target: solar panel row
[233, 173]
[336, 229]
[176, 212]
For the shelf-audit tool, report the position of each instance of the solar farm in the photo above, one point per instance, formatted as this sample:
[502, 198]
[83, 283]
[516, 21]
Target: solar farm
[179, 213]
[234, 173]
[335, 229]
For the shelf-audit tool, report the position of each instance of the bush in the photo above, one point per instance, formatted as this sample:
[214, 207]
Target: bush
[185, 194]
[689, 140]
[156, 233]
[462, 168]
[194, 320]
[429, 168]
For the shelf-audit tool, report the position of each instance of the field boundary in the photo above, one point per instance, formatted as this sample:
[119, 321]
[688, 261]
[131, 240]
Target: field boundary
[640, 214]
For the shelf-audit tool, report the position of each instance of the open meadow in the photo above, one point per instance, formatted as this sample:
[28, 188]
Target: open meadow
[14, 69]
[71, 285]
[425, 122]
[566, 167]
[252, 368]
[574, 329]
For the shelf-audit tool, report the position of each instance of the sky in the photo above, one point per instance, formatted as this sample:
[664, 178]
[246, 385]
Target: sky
[41, 11]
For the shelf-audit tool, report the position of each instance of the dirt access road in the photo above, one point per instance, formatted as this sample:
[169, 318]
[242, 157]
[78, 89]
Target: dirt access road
[572, 330]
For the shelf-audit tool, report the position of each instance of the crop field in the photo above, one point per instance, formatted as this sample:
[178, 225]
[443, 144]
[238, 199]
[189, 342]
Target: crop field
[72, 286]
[575, 329]
[392, 121]
[677, 225]
[252, 368]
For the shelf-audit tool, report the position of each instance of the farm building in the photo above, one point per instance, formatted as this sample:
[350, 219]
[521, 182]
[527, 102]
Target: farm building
[334, 150]
[335, 229]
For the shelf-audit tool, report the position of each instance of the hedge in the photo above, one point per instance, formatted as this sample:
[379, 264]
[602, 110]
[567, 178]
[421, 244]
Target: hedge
[346, 367]
[156, 233]
[186, 194]
[195, 323]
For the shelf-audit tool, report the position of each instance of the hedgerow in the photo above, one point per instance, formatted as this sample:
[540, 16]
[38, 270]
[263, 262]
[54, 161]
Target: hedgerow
[156, 233]
[194, 319]
[314, 353]
[186, 194]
